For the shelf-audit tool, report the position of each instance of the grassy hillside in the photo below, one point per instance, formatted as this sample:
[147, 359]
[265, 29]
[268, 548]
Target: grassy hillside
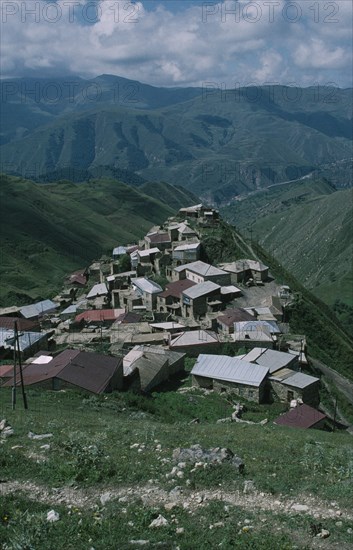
[307, 226]
[216, 146]
[121, 446]
[327, 338]
[50, 230]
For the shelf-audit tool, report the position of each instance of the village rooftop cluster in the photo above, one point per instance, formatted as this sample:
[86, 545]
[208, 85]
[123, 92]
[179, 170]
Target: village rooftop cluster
[129, 323]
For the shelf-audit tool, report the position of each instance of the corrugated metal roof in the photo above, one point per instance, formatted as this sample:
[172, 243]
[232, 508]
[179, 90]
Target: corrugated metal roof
[182, 247]
[231, 369]
[231, 316]
[146, 285]
[158, 238]
[90, 371]
[195, 338]
[96, 315]
[98, 290]
[22, 324]
[167, 326]
[26, 339]
[175, 289]
[256, 326]
[300, 380]
[201, 289]
[231, 289]
[146, 253]
[200, 268]
[39, 308]
[272, 359]
[119, 251]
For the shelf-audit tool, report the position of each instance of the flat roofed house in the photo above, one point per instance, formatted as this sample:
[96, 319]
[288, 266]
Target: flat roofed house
[230, 374]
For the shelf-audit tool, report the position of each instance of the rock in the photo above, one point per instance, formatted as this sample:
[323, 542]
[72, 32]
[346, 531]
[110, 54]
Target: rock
[139, 542]
[52, 516]
[2, 424]
[339, 523]
[324, 534]
[169, 506]
[182, 465]
[45, 447]
[31, 435]
[195, 421]
[176, 491]
[159, 522]
[264, 421]
[300, 507]
[180, 530]
[224, 420]
[123, 499]
[249, 486]
[180, 474]
[104, 498]
[197, 455]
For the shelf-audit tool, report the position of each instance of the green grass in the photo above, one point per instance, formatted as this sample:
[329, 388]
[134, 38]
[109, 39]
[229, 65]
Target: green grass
[93, 449]
[49, 230]
[307, 226]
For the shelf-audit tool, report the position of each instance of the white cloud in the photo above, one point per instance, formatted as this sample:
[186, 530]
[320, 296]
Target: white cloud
[257, 42]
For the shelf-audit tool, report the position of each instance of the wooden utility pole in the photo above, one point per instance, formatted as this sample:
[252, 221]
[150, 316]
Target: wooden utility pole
[17, 344]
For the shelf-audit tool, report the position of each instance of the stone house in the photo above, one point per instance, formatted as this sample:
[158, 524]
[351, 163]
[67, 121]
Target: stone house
[148, 290]
[170, 300]
[200, 299]
[195, 342]
[189, 252]
[199, 272]
[230, 374]
[225, 322]
[243, 270]
[287, 385]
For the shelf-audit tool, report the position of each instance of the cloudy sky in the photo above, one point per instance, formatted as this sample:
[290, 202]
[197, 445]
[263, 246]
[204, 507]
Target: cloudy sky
[181, 42]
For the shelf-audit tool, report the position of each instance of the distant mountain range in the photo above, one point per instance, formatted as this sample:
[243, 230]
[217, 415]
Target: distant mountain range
[216, 144]
[52, 229]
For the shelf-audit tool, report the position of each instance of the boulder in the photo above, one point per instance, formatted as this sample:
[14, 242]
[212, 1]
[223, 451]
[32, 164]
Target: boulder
[216, 455]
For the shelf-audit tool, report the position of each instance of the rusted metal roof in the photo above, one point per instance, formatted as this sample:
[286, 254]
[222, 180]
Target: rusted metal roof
[231, 316]
[22, 324]
[302, 416]
[175, 289]
[99, 315]
[86, 370]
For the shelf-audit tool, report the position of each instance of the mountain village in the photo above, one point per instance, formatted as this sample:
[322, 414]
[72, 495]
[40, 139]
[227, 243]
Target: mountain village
[137, 320]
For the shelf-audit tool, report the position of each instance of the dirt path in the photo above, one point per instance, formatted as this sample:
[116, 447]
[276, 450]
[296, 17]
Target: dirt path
[344, 385]
[153, 495]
